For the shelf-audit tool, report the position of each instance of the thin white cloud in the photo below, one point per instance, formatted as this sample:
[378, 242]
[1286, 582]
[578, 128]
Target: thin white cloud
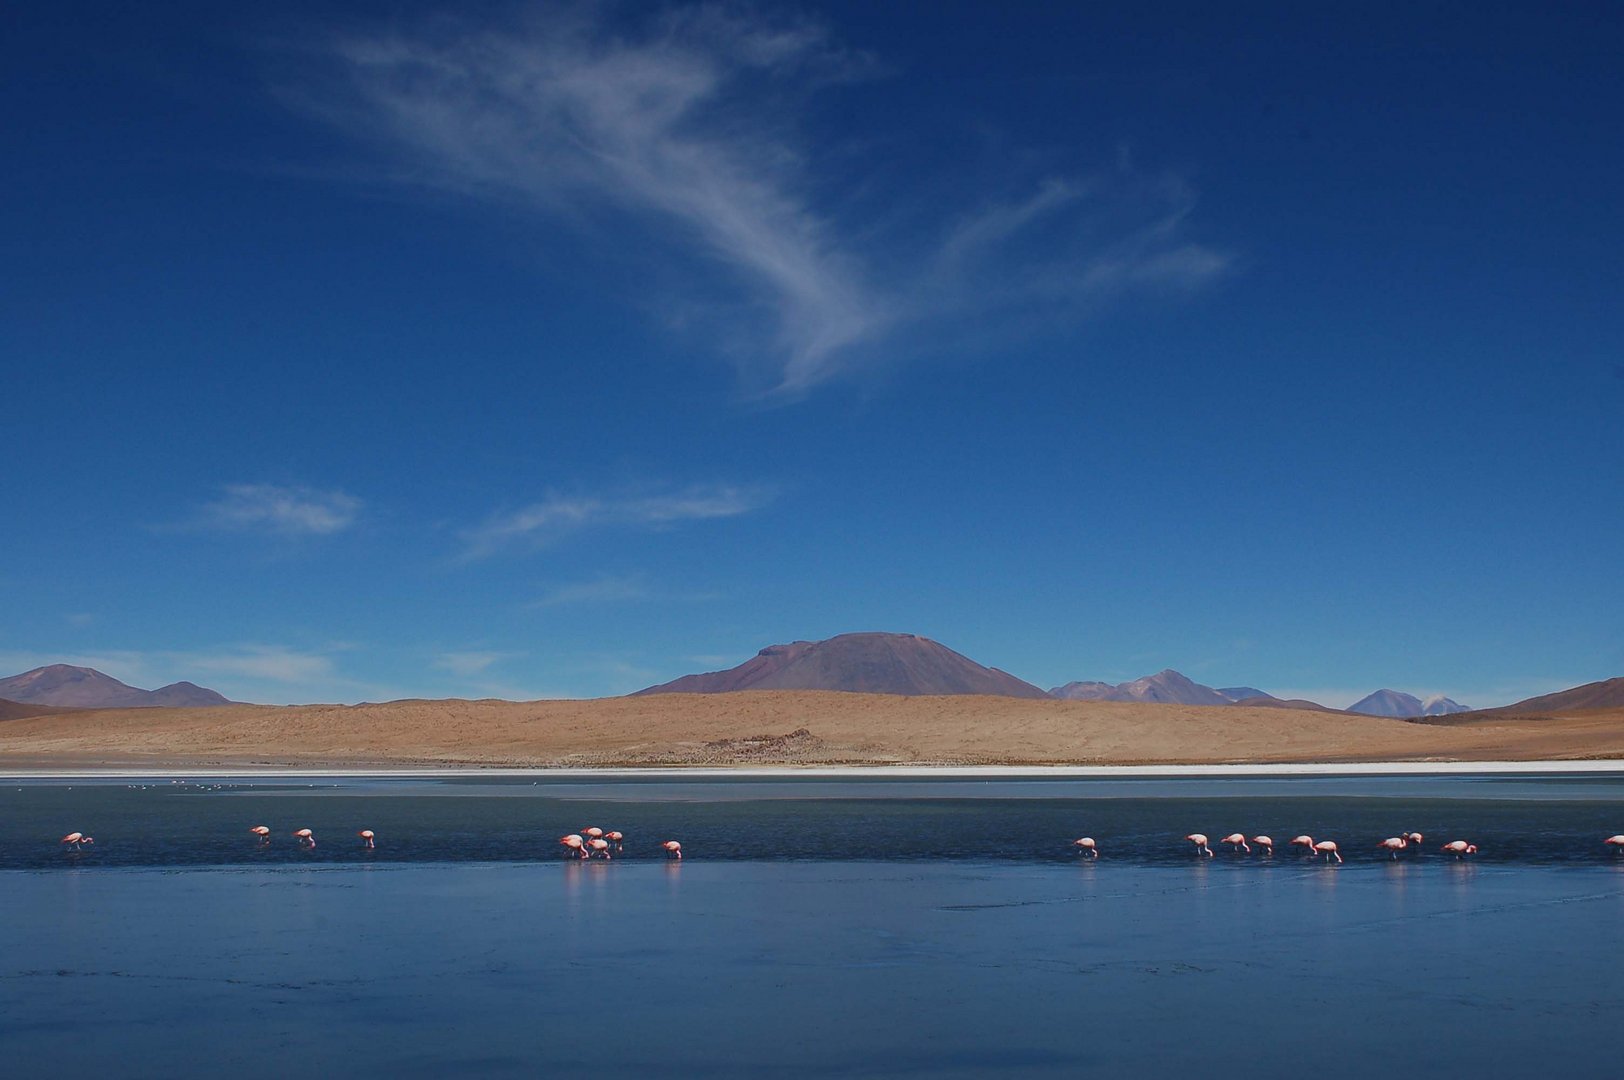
[272, 663]
[543, 522]
[603, 590]
[679, 125]
[612, 589]
[467, 664]
[286, 511]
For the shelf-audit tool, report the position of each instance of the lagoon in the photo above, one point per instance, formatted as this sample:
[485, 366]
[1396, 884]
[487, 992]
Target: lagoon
[858, 928]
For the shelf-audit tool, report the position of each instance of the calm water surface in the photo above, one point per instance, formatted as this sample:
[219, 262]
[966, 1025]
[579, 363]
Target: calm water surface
[896, 928]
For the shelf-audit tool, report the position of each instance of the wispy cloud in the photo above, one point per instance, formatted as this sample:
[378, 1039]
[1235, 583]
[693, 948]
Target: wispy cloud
[545, 521]
[285, 511]
[612, 589]
[467, 664]
[681, 120]
[603, 590]
[273, 663]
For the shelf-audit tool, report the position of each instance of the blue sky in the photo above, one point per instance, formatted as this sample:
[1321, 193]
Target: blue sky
[556, 351]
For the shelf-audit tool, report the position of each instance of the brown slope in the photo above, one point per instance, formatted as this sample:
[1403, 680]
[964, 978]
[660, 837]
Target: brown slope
[1606, 694]
[859, 664]
[16, 710]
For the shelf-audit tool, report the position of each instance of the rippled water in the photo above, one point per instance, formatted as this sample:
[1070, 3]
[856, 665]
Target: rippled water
[868, 928]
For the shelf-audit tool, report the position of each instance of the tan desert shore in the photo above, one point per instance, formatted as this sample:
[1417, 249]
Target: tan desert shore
[777, 728]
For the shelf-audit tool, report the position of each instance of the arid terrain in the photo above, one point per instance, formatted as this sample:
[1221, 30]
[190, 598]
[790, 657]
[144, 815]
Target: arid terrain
[782, 728]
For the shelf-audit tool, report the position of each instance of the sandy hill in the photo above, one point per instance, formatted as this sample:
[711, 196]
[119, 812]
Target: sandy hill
[87, 688]
[777, 728]
[861, 664]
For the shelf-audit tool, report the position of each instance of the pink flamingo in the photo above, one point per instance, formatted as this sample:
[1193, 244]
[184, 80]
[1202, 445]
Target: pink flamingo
[367, 838]
[76, 840]
[1304, 842]
[574, 842]
[263, 832]
[1235, 840]
[1086, 846]
[1328, 849]
[615, 838]
[1460, 848]
[592, 834]
[1264, 842]
[1415, 838]
[1200, 842]
[306, 837]
[1616, 843]
[599, 847]
[1395, 844]
[672, 849]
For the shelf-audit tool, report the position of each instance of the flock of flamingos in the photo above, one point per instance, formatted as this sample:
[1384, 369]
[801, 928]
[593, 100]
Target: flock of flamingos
[1323, 849]
[596, 843]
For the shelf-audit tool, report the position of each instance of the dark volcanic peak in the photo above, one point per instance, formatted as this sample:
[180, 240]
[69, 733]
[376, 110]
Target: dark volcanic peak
[857, 663]
[87, 688]
[1607, 694]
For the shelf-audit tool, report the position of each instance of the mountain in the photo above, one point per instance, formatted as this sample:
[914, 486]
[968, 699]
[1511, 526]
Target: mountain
[857, 663]
[1238, 694]
[1170, 688]
[1394, 703]
[1398, 704]
[1607, 694]
[87, 688]
[1165, 687]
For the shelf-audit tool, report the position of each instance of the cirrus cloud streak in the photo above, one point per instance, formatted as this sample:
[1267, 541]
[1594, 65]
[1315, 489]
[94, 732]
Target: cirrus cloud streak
[541, 523]
[686, 128]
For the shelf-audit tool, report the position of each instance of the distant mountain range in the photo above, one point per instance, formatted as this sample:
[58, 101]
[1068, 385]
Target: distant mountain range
[871, 663]
[857, 663]
[87, 688]
[878, 663]
[1170, 687]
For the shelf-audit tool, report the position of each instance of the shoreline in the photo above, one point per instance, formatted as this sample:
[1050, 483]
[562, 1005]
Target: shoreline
[1602, 767]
